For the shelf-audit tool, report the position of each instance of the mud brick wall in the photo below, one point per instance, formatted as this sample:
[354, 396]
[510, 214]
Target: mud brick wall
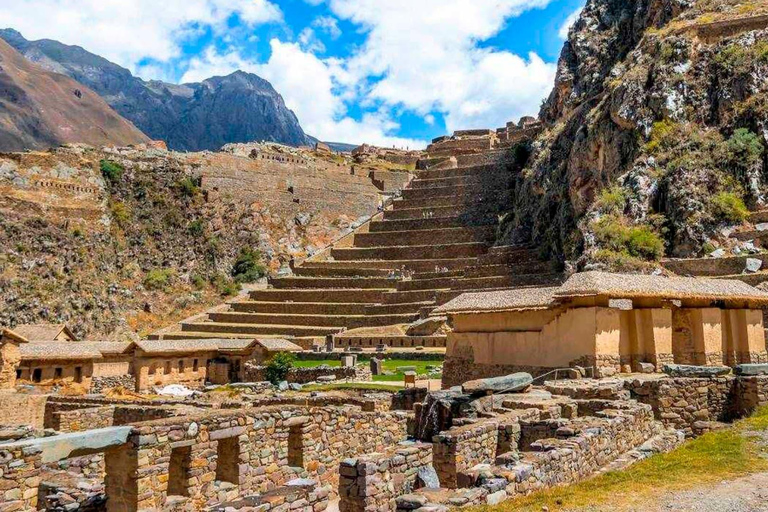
[17, 409]
[373, 482]
[458, 449]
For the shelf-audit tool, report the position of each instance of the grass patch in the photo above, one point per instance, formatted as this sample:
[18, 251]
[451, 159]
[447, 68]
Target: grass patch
[711, 458]
[362, 386]
[315, 364]
[389, 365]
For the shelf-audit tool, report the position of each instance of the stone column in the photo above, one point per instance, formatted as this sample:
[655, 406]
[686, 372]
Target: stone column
[708, 335]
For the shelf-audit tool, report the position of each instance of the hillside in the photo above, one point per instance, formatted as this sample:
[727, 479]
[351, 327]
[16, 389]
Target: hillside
[241, 107]
[655, 139]
[116, 242]
[40, 108]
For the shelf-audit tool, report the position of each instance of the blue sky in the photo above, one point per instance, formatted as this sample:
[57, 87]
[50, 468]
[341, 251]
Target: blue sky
[388, 72]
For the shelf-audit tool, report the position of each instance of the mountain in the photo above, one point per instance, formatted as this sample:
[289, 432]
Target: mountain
[39, 109]
[240, 107]
[656, 135]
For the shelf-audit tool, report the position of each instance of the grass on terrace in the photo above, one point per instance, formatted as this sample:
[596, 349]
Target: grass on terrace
[389, 365]
[711, 458]
[358, 386]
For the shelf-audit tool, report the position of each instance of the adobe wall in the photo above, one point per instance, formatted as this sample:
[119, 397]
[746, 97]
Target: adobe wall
[69, 372]
[10, 357]
[18, 409]
[153, 372]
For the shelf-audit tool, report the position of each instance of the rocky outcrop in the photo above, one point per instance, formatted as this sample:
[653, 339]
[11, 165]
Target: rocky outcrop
[655, 138]
[241, 107]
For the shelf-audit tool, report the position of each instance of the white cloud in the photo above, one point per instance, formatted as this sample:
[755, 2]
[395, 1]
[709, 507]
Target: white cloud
[129, 31]
[329, 25]
[569, 21]
[428, 58]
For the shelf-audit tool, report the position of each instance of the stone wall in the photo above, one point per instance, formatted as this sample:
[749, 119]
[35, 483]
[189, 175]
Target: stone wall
[102, 383]
[77, 420]
[19, 478]
[373, 482]
[254, 373]
[460, 448]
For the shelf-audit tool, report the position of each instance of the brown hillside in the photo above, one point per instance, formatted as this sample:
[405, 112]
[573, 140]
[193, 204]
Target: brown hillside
[39, 109]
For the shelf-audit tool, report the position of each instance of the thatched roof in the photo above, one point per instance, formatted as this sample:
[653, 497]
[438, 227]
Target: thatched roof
[43, 332]
[278, 345]
[635, 286]
[609, 286]
[500, 300]
[59, 351]
[9, 335]
[177, 346]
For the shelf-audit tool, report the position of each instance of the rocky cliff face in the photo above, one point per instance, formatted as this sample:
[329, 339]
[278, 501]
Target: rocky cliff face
[40, 108]
[656, 134]
[198, 116]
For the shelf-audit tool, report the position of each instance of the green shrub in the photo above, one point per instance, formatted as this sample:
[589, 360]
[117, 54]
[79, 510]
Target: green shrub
[744, 148]
[189, 187]
[278, 367]
[638, 241]
[158, 279]
[662, 135]
[611, 200]
[197, 281]
[729, 207]
[248, 267]
[120, 212]
[195, 228]
[225, 286]
[112, 171]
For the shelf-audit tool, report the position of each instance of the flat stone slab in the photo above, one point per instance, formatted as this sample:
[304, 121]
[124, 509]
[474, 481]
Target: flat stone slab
[751, 369]
[684, 370]
[64, 446]
[513, 383]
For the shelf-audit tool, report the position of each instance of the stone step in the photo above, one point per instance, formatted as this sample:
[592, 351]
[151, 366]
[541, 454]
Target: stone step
[397, 309]
[523, 267]
[416, 252]
[255, 329]
[342, 295]
[309, 308]
[479, 210]
[509, 255]
[461, 283]
[306, 271]
[300, 320]
[455, 221]
[301, 282]
[417, 237]
[415, 265]
[712, 267]
[449, 181]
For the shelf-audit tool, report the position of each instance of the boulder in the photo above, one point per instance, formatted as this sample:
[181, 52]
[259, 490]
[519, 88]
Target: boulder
[683, 370]
[753, 265]
[646, 367]
[426, 326]
[428, 478]
[751, 369]
[513, 383]
[411, 501]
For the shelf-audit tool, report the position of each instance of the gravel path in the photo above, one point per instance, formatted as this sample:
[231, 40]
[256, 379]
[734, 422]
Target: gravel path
[747, 494]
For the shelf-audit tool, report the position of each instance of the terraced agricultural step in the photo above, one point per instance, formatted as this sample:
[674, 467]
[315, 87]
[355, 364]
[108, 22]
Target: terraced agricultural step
[308, 308]
[254, 329]
[415, 252]
[305, 271]
[454, 181]
[409, 297]
[299, 320]
[509, 256]
[456, 171]
[454, 221]
[300, 282]
[458, 201]
[417, 237]
[479, 210]
[460, 283]
[525, 267]
[343, 295]
[416, 265]
[712, 267]
[420, 194]
[397, 309]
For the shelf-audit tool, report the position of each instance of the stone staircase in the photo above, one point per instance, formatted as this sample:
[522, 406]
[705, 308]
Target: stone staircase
[431, 245]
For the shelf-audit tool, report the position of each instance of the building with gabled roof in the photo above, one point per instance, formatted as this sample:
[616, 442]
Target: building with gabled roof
[45, 332]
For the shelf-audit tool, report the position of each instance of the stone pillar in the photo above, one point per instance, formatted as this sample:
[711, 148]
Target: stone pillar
[607, 340]
[654, 331]
[121, 477]
[708, 335]
[376, 366]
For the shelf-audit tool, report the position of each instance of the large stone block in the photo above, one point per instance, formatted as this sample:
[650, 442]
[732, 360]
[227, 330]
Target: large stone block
[682, 370]
[513, 383]
[751, 369]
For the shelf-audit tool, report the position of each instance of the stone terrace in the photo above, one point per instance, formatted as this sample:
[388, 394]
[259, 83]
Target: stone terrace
[426, 247]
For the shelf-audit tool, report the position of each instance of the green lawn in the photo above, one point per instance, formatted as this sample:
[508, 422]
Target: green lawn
[389, 365]
[350, 385]
[711, 458]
